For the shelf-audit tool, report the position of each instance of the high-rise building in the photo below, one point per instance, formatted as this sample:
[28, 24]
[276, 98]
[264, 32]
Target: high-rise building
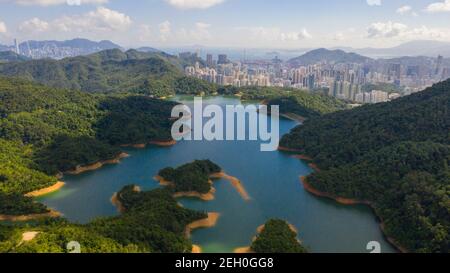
[209, 60]
[223, 59]
[16, 46]
[438, 71]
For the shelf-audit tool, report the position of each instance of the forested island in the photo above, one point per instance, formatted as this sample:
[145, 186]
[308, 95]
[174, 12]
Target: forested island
[151, 222]
[191, 177]
[394, 156]
[275, 236]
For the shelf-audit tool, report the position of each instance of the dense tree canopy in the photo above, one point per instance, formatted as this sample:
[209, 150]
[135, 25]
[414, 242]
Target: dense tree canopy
[394, 155]
[191, 177]
[277, 237]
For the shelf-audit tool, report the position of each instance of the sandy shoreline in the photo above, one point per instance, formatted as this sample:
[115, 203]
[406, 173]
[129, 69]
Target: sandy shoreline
[285, 149]
[191, 194]
[259, 230]
[168, 143]
[116, 201]
[209, 222]
[293, 117]
[196, 249]
[347, 201]
[236, 183]
[45, 191]
[97, 165]
[30, 217]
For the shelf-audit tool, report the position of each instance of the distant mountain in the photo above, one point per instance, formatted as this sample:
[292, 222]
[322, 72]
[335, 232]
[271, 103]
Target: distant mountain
[63, 49]
[148, 49]
[331, 56]
[10, 56]
[4, 47]
[414, 48]
[110, 71]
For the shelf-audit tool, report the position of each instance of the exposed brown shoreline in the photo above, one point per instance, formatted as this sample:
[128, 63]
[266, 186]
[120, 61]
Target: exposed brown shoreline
[167, 143]
[30, 217]
[285, 149]
[97, 165]
[236, 183]
[259, 230]
[193, 194]
[348, 201]
[293, 117]
[116, 201]
[47, 190]
[209, 222]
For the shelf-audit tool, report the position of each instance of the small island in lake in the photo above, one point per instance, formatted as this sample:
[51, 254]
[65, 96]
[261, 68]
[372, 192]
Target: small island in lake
[276, 236]
[195, 180]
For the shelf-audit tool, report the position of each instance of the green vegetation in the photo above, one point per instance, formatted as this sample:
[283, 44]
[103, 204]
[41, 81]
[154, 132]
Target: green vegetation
[387, 87]
[300, 102]
[191, 177]
[44, 131]
[17, 205]
[152, 222]
[156, 74]
[277, 237]
[394, 155]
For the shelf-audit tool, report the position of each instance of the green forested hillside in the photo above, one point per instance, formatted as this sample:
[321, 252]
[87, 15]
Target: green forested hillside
[277, 237]
[394, 155]
[299, 102]
[152, 222]
[44, 130]
[112, 70]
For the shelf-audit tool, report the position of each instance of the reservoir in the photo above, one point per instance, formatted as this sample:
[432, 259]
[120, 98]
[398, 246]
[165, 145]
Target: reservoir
[270, 178]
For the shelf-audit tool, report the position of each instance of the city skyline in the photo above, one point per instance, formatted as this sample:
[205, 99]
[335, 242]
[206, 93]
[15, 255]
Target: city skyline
[234, 23]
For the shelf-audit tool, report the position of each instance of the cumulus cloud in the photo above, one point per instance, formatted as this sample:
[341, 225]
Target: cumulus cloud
[45, 3]
[404, 9]
[385, 29]
[401, 31]
[374, 2]
[34, 25]
[3, 28]
[272, 34]
[194, 4]
[100, 20]
[439, 7]
[295, 36]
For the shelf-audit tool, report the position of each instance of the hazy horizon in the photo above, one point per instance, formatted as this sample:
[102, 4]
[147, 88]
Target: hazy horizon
[228, 23]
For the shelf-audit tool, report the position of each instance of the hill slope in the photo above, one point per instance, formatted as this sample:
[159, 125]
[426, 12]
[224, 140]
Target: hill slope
[394, 155]
[331, 56]
[106, 71]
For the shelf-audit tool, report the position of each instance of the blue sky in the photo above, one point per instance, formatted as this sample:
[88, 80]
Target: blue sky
[229, 23]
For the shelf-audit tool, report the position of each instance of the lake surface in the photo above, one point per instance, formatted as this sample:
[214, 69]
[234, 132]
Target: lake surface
[270, 178]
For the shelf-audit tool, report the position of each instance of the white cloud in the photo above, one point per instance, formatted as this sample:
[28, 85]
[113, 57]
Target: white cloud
[404, 10]
[45, 3]
[295, 36]
[3, 28]
[165, 30]
[34, 25]
[100, 20]
[439, 7]
[387, 30]
[403, 32]
[374, 2]
[194, 4]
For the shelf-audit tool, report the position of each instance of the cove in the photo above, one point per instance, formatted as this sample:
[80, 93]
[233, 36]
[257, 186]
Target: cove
[270, 178]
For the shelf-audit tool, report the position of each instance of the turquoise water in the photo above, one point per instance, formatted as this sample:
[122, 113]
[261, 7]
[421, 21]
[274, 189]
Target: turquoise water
[270, 178]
